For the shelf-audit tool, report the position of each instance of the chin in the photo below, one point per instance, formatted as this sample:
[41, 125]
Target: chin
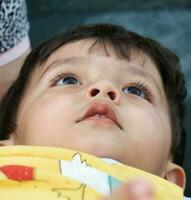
[102, 154]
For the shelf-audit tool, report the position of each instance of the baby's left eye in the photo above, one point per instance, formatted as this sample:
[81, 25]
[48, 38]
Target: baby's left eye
[140, 89]
[134, 90]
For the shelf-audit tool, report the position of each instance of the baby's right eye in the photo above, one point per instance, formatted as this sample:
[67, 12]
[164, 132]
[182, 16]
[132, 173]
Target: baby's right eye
[68, 81]
[61, 80]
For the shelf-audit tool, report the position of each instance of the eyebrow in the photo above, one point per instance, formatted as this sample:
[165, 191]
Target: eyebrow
[137, 71]
[78, 60]
[71, 61]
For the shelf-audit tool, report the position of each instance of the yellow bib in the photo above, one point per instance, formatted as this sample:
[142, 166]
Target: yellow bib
[49, 173]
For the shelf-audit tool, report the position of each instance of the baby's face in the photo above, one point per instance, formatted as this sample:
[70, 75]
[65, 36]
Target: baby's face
[98, 104]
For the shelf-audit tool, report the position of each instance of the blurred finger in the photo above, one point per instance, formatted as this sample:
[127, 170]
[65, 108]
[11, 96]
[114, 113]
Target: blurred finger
[136, 190]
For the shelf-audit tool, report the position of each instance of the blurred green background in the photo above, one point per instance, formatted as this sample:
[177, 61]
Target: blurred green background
[168, 21]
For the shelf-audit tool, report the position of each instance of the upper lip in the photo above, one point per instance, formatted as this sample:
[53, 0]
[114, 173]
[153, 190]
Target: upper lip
[101, 109]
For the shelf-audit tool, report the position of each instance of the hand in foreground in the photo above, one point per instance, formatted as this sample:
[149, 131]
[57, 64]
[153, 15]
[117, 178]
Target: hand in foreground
[136, 190]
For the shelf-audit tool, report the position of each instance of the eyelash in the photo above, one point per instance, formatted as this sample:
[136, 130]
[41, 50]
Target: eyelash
[144, 88]
[139, 84]
[61, 75]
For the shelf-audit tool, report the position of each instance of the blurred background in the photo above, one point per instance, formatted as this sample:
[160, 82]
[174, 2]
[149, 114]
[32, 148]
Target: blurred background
[168, 21]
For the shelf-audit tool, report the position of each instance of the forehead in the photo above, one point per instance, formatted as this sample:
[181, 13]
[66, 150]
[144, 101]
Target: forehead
[83, 52]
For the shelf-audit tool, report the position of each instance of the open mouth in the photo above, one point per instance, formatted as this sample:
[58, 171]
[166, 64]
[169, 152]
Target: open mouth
[101, 113]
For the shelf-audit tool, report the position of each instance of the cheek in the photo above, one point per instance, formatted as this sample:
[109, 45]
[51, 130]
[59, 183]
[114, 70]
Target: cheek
[149, 135]
[46, 119]
[154, 128]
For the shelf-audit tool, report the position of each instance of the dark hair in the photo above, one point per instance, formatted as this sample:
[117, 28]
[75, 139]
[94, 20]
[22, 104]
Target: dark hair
[122, 42]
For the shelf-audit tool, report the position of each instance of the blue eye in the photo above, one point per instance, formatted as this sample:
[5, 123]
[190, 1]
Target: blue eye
[140, 89]
[68, 80]
[134, 90]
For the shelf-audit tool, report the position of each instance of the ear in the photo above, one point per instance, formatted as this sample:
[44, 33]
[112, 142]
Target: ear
[8, 142]
[176, 174]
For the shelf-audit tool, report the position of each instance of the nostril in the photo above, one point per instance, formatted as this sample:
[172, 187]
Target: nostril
[94, 92]
[112, 95]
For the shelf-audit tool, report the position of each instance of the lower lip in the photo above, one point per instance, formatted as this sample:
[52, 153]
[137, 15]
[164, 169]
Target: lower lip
[101, 120]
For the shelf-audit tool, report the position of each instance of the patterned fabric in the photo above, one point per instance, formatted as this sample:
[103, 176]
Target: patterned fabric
[13, 23]
[50, 173]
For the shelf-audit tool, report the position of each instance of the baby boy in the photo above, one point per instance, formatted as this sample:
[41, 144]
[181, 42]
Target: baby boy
[102, 90]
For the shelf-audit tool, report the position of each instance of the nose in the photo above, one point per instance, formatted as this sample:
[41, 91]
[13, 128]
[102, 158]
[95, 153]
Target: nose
[104, 89]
